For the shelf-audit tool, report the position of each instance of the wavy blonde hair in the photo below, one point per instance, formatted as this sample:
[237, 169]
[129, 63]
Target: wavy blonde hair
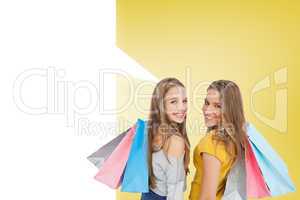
[159, 123]
[231, 131]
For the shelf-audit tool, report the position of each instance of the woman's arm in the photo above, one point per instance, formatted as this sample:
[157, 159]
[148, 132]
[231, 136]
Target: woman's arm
[175, 171]
[210, 177]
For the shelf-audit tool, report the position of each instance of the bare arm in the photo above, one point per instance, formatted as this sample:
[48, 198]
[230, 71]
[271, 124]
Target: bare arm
[211, 172]
[175, 172]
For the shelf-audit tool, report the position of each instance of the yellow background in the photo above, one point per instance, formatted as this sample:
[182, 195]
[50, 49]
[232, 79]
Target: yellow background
[196, 41]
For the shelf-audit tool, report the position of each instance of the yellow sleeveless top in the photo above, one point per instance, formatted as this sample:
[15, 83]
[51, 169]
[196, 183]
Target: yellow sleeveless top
[210, 146]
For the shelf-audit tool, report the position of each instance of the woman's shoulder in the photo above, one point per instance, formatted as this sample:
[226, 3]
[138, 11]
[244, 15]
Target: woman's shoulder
[208, 138]
[210, 144]
[175, 146]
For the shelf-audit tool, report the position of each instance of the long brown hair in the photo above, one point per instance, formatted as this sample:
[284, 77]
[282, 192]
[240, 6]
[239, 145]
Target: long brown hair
[159, 122]
[231, 131]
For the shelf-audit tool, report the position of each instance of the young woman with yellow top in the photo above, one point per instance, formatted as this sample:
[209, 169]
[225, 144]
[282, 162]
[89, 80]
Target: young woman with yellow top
[223, 144]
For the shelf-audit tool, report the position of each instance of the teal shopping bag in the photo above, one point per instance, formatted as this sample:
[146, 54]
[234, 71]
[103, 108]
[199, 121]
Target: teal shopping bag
[272, 166]
[135, 177]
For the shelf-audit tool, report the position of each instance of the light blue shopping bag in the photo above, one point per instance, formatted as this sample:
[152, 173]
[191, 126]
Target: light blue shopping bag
[272, 166]
[135, 177]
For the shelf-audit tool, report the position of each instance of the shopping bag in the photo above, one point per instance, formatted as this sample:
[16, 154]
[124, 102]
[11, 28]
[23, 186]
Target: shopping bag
[136, 173]
[112, 169]
[99, 156]
[271, 165]
[235, 188]
[256, 185]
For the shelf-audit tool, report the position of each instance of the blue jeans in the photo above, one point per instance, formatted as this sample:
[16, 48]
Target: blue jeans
[152, 196]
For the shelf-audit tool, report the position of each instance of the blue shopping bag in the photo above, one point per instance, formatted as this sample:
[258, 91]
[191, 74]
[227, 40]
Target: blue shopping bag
[135, 177]
[272, 166]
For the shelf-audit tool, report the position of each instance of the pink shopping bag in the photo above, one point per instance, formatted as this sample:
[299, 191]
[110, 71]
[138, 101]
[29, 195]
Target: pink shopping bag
[256, 185]
[112, 169]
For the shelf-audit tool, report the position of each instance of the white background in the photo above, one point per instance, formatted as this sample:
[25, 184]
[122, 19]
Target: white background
[42, 150]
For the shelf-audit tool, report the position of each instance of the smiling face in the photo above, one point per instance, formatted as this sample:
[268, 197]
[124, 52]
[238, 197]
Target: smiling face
[212, 108]
[175, 102]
